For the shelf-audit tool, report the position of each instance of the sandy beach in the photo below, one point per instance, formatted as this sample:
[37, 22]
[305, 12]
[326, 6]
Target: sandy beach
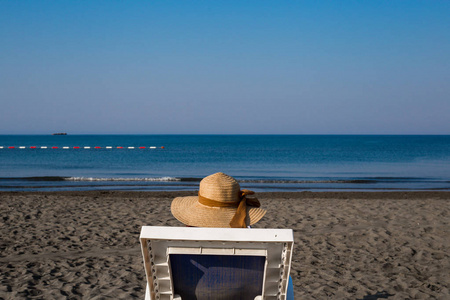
[348, 245]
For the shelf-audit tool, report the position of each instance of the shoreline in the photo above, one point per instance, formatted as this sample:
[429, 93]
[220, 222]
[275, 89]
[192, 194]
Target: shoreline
[294, 195]
[348, 245]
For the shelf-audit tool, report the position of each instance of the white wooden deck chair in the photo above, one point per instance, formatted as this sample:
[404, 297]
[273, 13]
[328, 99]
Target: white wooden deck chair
[216, 263]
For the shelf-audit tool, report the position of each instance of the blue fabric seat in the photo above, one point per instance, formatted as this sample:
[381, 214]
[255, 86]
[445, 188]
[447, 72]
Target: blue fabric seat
[201, 277]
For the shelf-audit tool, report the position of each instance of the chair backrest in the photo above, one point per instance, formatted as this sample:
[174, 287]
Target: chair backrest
[216, 263]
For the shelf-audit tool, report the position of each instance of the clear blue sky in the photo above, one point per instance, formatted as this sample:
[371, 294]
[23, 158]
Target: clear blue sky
[288, 67]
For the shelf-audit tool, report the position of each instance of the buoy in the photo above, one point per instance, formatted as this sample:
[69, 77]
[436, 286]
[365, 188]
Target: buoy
[77, 147]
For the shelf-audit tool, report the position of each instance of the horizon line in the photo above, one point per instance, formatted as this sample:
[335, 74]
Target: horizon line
[292, 134]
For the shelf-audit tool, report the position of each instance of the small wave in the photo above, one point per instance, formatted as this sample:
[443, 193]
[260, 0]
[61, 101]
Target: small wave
[191, 179]
[158, 179]
[34, 178]
[259, 181]
[305, 181]
[396, 178]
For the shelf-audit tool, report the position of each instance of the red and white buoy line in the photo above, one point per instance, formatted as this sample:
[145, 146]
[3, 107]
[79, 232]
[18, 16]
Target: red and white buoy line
[78, 147]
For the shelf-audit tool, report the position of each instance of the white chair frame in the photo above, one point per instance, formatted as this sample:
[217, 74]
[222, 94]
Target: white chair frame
[158, 242]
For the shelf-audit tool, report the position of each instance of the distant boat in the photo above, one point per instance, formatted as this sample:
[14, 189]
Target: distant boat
[59, 133]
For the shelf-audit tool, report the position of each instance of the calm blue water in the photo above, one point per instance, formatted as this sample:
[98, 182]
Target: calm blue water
[259, 162]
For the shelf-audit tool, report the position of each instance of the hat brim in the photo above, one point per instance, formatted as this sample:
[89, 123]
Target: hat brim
[190, 212]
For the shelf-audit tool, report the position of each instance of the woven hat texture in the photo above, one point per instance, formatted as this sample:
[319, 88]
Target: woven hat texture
[219, 188]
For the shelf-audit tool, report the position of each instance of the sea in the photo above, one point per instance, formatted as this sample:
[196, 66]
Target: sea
[258, 162]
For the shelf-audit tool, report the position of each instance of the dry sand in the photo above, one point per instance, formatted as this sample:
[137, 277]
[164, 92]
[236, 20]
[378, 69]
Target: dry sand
[84, 245]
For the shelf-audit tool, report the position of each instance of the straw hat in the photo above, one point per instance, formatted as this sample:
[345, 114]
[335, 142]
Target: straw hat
[220, 203]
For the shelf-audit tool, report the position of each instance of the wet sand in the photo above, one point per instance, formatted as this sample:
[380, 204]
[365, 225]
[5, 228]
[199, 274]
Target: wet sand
[348, 245]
